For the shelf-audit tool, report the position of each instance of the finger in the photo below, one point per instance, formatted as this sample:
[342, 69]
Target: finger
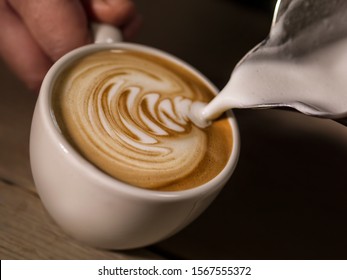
[58, 26]
[115, 12]
[121, 13]
[20, 51]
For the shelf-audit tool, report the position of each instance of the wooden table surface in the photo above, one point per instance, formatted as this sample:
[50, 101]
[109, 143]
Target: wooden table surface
[286, 199]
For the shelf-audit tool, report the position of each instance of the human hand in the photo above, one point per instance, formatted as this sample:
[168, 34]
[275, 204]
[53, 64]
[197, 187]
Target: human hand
[35, 33]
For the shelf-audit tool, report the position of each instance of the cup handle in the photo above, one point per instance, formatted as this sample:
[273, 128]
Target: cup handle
[106, 33]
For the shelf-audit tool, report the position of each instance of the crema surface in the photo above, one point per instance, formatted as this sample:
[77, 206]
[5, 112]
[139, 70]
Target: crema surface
[132, 115]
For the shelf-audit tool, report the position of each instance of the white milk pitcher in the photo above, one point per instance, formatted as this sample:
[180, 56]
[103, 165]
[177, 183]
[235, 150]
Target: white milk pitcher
[301, 65]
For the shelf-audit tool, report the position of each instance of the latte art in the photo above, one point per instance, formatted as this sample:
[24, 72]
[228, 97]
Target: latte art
[142, 117]
[134, 118]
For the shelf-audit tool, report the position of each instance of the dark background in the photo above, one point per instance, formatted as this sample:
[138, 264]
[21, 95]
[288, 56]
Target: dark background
[287, 197]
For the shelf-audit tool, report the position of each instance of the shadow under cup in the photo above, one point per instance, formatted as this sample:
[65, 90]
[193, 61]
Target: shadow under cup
[91, 205]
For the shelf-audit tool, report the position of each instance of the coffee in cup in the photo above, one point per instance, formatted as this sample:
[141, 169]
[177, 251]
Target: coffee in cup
[105, 211]
[130, 114]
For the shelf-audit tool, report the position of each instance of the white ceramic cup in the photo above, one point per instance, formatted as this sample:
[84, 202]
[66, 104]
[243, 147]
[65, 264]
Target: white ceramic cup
[90, 205]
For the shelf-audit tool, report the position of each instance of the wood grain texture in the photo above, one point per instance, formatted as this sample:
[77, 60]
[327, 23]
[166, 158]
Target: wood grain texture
[27, 232]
